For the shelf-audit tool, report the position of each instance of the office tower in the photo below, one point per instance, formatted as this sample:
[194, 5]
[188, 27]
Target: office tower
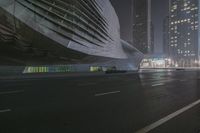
[183, 24]
[166, 35]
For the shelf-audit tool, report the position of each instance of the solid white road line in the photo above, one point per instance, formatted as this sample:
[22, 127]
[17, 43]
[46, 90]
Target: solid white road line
[5, 110]
[11, 92]
[167, 118]
[158, 84]
[101, 94]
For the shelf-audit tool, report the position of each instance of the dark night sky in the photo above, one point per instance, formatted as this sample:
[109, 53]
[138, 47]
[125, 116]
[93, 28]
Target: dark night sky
[123, 10]
[159, 11]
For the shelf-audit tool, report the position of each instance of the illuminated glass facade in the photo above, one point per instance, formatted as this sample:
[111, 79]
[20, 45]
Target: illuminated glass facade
[183, 31]
[166, 35]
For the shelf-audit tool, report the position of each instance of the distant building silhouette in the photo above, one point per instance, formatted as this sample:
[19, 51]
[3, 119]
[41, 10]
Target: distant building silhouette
[142, 26]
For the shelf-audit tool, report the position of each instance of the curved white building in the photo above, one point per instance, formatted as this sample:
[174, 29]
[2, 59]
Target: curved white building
[65, 31]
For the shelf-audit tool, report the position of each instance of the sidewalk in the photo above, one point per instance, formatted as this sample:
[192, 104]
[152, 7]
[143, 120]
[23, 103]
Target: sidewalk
[59, 75]
[48, 75]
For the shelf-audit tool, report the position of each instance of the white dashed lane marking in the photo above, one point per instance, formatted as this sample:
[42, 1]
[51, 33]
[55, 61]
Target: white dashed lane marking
[5, 110]
[158, 84]
[107, 93]
[11, 92]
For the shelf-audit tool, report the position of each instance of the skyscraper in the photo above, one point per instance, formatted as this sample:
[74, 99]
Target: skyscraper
[183, 32]
[166, 35]
[142, 26]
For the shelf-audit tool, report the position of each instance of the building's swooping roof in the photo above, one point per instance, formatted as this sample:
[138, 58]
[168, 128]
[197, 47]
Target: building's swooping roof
[86, 26]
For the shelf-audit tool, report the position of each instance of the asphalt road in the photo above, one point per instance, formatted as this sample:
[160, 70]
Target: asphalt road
[162, 102]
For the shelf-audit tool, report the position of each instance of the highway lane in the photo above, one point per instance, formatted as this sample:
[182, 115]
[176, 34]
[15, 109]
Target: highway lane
[99, 104]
